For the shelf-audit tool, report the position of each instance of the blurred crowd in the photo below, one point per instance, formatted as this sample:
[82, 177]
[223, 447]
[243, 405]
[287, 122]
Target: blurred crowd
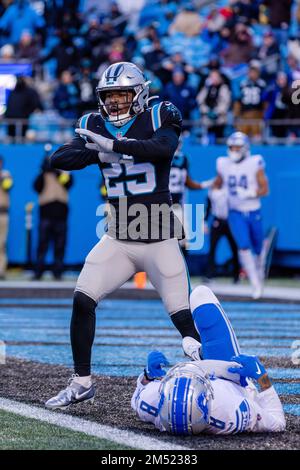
[225, 64]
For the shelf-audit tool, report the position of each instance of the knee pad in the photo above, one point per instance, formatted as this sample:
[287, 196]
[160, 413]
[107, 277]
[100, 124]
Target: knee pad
[202, 295]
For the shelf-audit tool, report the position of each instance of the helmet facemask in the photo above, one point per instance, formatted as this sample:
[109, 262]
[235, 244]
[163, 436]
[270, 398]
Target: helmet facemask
[126, 78]
[237, 154]
[118, 111]
[238, 147]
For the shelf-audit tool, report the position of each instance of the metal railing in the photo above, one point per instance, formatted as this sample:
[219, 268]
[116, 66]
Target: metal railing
[59, 130]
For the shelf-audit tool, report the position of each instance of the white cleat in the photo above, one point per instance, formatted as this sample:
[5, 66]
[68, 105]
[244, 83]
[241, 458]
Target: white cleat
[192, 348]
[257, 291]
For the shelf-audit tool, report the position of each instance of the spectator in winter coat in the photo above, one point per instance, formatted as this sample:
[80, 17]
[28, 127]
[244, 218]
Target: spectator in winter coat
[66, 97]
[21, 103]
[180, 94]
[214, 101]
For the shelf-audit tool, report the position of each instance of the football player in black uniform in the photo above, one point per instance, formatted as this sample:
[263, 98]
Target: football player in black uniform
[133, 146]
[180, 179]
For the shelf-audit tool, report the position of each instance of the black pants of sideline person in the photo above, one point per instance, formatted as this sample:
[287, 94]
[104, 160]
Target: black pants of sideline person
[220, 228]
[52, 231]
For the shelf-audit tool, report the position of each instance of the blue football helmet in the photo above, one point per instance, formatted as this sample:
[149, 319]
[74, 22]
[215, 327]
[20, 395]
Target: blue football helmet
[186, 395]
[241, 140]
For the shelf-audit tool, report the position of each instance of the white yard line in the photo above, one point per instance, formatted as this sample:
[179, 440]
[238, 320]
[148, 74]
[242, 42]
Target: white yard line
[270, 292]
[128, 438]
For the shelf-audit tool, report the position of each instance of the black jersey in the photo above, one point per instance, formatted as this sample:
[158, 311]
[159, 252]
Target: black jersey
[178, 176]
[151, 138]
[252, 94]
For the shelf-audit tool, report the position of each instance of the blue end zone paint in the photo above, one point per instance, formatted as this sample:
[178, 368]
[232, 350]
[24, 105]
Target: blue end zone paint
[128, 330]
[287, 388]
[45, 302]
[292, 409]
[143, 326]
[279, 373]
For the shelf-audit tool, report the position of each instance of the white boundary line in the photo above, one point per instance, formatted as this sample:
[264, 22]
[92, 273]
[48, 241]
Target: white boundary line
[270, 292]
[128, 438]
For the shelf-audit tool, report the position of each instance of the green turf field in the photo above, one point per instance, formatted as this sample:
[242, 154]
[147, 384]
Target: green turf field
[17, 432]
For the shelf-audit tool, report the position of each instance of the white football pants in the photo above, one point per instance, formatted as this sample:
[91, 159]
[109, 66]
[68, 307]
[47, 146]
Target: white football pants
[112, 262]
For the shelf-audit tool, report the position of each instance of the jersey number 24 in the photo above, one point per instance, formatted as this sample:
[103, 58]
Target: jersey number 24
[234, 182]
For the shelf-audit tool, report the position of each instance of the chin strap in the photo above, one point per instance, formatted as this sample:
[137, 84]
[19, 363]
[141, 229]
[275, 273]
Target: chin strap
[120, 122]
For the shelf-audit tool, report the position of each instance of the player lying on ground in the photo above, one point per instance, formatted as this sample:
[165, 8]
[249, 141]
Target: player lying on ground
[133, 146]
[213, 395]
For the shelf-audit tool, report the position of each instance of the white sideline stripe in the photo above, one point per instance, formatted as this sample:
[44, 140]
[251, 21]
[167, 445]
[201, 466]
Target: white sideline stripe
[270, 292]
[91, 428]
[57, 285]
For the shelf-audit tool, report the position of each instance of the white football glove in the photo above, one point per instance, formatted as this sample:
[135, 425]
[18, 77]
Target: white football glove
[103, 144]
[109, 157]
[104, 157]
[243, 193]
[207, 183]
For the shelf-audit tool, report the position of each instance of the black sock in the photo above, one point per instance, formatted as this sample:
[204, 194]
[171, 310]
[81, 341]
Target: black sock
[82, 331]
[184, 323]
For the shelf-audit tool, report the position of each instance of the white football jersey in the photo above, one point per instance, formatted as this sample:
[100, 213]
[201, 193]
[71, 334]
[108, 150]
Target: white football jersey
[243, 175]
[234, 408]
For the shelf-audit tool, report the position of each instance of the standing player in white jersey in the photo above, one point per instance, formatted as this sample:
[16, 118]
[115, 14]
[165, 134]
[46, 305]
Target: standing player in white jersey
[244, 176]
[212, 396]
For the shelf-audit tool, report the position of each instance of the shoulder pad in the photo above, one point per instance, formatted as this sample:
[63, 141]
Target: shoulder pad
[84, 122]
[221, 161]
[165, 114]
[180, 160]
[259, 160]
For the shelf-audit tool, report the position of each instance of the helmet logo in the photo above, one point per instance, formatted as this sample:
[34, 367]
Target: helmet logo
[120, 78]
[113, 72]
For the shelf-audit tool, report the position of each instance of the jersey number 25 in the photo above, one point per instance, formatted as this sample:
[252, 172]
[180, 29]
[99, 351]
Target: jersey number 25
[129, 186]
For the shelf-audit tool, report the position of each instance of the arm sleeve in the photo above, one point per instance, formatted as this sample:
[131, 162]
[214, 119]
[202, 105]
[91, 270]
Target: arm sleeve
[162, 145]
[73, 156]
[69, 184]
[145, 402]
[38, 184]
[269, 411]
[163, 142]
[207, 209]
